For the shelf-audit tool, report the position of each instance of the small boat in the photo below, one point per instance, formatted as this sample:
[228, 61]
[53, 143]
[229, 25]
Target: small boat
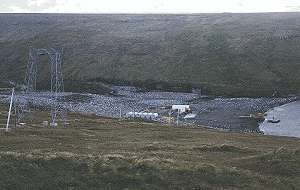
[273, 120]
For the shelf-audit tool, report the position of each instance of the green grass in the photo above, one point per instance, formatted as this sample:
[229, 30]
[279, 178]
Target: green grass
[224, 54]
[117, 172]
[102, 153]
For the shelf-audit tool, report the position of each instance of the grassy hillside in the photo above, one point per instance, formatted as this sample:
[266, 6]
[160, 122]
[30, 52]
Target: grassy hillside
[226, 54]
[99, 153]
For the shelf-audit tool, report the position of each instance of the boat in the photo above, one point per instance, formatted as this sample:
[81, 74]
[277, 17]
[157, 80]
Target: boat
[273, 120]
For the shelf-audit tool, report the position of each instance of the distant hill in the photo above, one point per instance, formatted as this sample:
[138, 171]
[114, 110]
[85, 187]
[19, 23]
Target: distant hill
[225, 54]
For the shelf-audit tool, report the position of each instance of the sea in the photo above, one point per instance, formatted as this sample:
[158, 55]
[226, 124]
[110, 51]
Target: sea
[289, 125]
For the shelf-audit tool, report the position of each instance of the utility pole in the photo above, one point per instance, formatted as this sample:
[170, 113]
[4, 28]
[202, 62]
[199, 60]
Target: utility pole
[169, 117]
[10, 106]
[177, 118]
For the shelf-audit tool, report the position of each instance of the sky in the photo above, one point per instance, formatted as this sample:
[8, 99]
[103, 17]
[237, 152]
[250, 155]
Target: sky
[148, 6]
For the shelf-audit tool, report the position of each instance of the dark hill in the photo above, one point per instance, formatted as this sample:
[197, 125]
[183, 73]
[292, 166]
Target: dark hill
[226, 54]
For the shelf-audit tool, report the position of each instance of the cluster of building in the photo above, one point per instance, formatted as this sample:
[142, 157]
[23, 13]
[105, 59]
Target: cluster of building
[184, 111]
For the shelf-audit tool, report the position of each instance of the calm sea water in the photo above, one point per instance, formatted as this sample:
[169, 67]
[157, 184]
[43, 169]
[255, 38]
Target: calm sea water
[289, 114]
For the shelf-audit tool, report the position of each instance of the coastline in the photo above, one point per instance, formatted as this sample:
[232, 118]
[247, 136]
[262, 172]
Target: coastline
[289, 124]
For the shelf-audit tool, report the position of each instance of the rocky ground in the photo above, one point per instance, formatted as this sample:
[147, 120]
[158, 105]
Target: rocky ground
[222, 113]
[225, 112]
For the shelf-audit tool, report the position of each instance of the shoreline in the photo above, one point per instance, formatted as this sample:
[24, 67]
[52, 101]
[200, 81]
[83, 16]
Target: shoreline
[289, 124]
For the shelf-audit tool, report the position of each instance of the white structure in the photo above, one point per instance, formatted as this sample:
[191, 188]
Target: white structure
[45, 123]
[190, 116]
[143, 115]
[10, 107]
[181, 108]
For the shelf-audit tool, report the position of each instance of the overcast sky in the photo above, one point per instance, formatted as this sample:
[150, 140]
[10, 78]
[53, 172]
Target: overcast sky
[148, 6]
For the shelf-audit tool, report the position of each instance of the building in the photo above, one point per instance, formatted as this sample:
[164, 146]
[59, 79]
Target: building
[181, 108]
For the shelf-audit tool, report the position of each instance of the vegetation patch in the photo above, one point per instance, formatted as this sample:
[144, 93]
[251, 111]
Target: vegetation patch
[241, 55]
[101, 153]
[120, 173]
[222, 148]
[281, 162]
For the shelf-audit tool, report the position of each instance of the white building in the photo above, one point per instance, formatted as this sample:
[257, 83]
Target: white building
[181, 108]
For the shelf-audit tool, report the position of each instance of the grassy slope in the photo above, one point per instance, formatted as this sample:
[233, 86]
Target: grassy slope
[99, 153]
[233, 54]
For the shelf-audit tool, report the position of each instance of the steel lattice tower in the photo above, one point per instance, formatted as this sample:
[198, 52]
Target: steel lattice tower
[57, 83]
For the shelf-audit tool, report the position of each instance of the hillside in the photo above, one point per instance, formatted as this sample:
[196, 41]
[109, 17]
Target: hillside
[225, 54]
[101, 153]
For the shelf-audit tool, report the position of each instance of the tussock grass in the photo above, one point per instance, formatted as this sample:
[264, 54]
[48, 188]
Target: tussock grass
[280, 162]
[102, 153]
[118, 172]
[222, 148]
